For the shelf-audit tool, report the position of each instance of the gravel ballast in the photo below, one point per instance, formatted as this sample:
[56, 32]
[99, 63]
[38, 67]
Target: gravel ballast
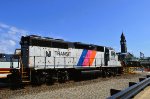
[91, 89]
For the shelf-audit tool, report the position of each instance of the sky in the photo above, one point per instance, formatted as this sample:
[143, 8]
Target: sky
[99, 22]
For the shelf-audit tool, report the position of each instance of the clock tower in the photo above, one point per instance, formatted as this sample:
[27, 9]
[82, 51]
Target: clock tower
[123, 44]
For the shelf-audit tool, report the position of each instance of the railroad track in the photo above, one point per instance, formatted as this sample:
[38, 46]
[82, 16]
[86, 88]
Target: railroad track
[132, 90]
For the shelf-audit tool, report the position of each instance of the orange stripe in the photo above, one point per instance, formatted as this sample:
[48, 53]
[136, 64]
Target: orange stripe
[92, 57]
[4, 71]
[3, 77]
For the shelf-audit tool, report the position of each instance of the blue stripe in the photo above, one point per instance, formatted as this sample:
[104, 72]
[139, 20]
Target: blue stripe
[81, 60]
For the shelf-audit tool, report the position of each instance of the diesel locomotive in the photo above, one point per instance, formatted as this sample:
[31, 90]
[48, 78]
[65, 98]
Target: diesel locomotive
[45, 60]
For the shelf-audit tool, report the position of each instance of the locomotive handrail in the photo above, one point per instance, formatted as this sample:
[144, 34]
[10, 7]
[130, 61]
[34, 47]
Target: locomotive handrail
[64, 60]
[131, 91]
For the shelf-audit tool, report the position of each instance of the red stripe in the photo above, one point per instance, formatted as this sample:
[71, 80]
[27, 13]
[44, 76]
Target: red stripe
[5, 69]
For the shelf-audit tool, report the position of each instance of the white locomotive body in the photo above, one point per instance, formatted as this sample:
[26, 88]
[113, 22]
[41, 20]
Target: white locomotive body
[50, 54]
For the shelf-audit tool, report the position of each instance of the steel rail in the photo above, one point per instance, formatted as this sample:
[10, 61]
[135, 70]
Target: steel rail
[130, 92]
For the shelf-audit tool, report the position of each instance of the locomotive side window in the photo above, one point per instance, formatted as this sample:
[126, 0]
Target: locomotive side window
[112, 53]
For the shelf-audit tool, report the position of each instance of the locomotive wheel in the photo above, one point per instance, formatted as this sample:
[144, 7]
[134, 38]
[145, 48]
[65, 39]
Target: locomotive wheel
[114, 72]
[109, 72]
[78, 76]
[104, 73]
[11, 84]
[36, 80]
[49, 80]
[63, 76]
[14, 80]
